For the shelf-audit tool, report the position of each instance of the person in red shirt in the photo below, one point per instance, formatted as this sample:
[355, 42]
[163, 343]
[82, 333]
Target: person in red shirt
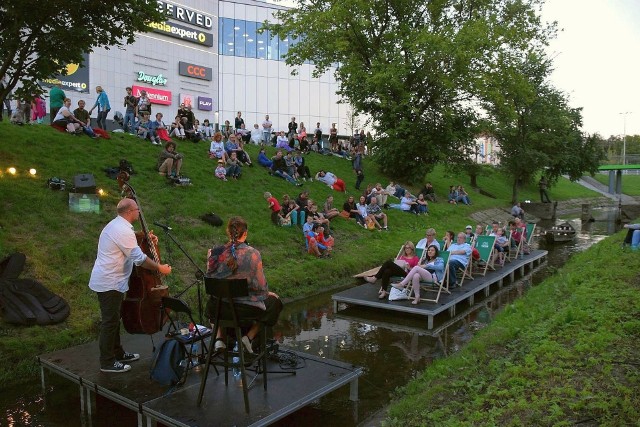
[274, 205]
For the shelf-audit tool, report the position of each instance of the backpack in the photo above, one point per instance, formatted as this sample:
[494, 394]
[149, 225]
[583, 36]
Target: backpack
[126, 166]
[27, 301]
[165, 363]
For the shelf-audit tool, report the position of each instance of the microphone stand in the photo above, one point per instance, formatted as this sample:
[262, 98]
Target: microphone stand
[199, 272]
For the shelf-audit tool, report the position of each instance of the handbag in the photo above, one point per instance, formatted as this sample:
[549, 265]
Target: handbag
[396, 294]
[345, 214]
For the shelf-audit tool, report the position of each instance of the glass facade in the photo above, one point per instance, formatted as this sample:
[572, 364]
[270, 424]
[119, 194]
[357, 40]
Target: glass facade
[237, 37]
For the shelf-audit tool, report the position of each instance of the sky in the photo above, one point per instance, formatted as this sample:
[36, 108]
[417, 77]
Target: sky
[596, 61]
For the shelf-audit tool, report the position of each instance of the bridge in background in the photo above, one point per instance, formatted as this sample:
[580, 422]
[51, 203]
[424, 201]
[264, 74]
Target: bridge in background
[615, 176]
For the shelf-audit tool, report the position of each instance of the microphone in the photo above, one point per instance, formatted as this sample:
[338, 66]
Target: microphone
[164, 227]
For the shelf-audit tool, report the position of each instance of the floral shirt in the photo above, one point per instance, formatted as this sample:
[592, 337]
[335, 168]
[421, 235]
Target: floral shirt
[249, 267]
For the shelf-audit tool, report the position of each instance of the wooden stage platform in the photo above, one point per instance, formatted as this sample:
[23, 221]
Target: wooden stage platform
[366, 295]
[221, 406]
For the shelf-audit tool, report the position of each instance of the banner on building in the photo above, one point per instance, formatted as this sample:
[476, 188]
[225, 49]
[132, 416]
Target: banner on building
[156, 96]
[77, 78]
[183, 33]
[205, 104]
[195, 71]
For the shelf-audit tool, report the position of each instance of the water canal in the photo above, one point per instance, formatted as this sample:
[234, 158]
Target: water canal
[391, 350]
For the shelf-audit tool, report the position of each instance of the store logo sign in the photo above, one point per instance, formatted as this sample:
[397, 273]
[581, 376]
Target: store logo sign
[205, 104]
[183, 33]
[158, 80]
[195, 71]
[156, 96]
[186, 15]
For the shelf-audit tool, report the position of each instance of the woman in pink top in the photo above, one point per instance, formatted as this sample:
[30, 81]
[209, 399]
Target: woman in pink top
[399, 267]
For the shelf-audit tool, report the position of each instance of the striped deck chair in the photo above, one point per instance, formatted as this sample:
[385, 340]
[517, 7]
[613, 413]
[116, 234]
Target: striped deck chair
[515, 248]
[433, 287]
[531, 227]
[486, 247]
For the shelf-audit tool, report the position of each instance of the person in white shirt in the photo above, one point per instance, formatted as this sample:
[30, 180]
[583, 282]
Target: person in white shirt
[118, 251]
[266, 130]
[256, 134]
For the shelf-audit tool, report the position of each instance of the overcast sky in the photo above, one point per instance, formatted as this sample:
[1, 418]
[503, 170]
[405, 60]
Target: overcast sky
[596, 61]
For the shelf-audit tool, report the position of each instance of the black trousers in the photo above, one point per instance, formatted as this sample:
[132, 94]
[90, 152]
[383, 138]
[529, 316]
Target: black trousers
[109, 339]
[388, 270]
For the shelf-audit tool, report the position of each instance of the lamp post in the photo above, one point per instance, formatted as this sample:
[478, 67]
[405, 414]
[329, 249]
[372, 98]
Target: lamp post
[624, 136]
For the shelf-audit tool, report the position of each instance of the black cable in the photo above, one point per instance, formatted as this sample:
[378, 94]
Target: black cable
[289, 360]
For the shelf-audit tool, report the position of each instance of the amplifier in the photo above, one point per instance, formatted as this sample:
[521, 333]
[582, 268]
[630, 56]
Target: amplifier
[85, 183]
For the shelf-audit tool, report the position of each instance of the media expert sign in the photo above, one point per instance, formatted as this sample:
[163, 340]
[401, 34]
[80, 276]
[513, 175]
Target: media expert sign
[183, 33]
[205, 104]
[195, 71]
[77, 77]
[183, 14]
[156, 96]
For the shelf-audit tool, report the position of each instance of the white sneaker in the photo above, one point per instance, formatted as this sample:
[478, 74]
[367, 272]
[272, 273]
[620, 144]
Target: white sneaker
[247, 344]
[219, 345]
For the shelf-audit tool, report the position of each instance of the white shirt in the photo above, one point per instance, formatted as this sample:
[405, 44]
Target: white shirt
[61, 116]
[256, 134]
[216, 147]
[266, 125]
[328, 178]
[362, 209]
[118, 250]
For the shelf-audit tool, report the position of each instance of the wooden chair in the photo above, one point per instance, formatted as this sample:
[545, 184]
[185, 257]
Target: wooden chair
[438, 288]
[515, 248]
[486, 247]
[225, 290]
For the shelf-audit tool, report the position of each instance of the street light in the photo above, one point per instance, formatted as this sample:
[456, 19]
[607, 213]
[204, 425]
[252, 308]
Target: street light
[624, 136]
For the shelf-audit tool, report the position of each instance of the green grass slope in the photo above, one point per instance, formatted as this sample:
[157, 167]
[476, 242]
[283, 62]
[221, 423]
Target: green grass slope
[61, 246]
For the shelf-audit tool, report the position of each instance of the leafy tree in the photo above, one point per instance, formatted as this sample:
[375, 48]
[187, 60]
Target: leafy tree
[532, 120]
[411, 65]
[38, 39]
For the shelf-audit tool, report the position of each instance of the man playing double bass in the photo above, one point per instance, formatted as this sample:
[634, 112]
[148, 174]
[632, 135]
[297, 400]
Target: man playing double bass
[118, 251]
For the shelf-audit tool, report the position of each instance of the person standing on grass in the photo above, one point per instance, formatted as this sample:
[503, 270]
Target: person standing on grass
[274, 206]
[102, 103]
[56, 101]
[118, 251]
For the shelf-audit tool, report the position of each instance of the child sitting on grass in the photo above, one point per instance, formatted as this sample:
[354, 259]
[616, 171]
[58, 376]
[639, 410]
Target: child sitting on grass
[221, 172]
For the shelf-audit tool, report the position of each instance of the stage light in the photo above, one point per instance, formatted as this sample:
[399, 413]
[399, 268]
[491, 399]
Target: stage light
[12, 170]
[101, 192]
[32, 172]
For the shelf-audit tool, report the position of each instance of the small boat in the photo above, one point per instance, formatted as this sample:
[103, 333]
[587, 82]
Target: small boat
[561, 233]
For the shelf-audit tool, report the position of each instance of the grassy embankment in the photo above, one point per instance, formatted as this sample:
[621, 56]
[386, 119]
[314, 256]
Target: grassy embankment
[61, 245]
[565, 354]
[630, 183]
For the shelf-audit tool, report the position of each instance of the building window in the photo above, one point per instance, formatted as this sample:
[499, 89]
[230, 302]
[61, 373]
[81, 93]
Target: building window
[251, 41]
[284, 47]
[240, 37]
[262, 44]
[273, 51]
[226, 36]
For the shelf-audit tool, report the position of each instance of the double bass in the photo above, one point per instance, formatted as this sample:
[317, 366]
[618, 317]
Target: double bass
[142, 306]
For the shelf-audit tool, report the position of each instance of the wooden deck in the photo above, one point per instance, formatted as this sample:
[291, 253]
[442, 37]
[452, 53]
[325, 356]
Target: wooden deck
[221, 405]
[366, 295]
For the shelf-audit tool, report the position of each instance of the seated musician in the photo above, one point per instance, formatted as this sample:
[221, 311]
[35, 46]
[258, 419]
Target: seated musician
[118, 251]
[237, 260]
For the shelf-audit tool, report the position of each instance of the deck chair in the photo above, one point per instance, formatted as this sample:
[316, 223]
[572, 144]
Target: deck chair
[432, 287]
[531, 227]
[515, 248]
[486, 247]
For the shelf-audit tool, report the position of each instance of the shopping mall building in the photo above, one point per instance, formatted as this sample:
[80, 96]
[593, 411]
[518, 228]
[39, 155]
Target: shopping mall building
[208, 53]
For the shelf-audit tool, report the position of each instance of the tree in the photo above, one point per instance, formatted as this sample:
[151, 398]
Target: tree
[536, 128]
[352, 121]
[38, 41]
[410, 65]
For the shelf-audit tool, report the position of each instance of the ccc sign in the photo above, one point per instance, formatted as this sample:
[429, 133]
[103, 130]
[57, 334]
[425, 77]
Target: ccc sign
[195, 71]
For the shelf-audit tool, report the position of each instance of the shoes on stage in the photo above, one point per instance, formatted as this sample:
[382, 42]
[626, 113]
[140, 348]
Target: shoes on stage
[246, 342]
[129, 357]
[116, 367]
[219, 345]
[415, 301]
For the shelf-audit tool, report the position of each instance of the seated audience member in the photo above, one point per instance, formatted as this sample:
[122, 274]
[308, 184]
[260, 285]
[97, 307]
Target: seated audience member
[453, 195]
[303, 201]
[291, 165]
[517, 211]
[301, 167]
[423, 206]
[159, 129]
[408, 203]
[428, 192]
[274, 206]
[493, 231]
[397, 267]
[290, 212]
[323, 238]
[232, 146]
[315, 147]
[350, 207]
[143, 127]
[302, 134]
[244, 134]
[395, 190]
[329, 211]
[242, 154]
[279, 168]
[463, 196]
[256, 134]
[380, 194]
[362, 210]
[374, 210]
[430, 240]
[216, 149]
[226, 130]
[459, 255]
[449, 238]
[85, 119]
[468, 231]
[221, 171]
[206, 129]
[431, 270]
[169, 162]
[282, 142]
[263, 160]
[501, 245]
[177, 129]
[522, 227]
[234, 170]
[318, 217]
[479, 230]
[64, 118]
[331, 180]
[313, 247]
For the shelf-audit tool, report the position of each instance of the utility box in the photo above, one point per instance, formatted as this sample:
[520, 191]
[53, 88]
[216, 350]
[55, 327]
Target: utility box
[79, 202]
